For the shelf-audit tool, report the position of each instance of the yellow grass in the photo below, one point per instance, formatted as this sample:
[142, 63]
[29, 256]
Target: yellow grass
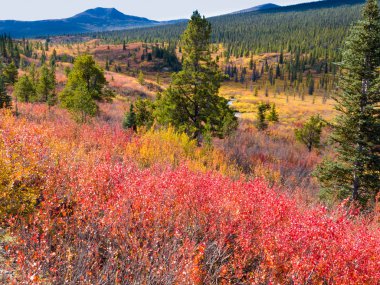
[291, 110]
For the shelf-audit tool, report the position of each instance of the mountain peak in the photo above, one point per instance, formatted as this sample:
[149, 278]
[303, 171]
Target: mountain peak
[100, 12]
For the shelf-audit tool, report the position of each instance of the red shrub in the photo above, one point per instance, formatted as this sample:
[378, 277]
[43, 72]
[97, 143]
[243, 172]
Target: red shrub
[112, 222]
[103, 220]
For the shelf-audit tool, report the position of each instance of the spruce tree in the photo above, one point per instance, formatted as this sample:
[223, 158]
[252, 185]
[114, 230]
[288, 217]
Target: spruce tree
[5, 99]
[144, 109]
[310, 133]
[273, 115]
[192, 100]
[261, 122]
[10, 73]
[141, 78]
[25, 90]
[311, 86]
[130, 119]
[53, 58]
[85, 87]
[355, 171]
[281, 61]
[256, 92]
[107, 65]
[251, 63]
[46, 86]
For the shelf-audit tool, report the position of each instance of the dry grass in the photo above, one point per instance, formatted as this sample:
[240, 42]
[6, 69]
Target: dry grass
[292, 109]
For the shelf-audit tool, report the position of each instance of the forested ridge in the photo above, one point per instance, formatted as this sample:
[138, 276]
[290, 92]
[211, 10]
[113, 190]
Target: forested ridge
[311, 27]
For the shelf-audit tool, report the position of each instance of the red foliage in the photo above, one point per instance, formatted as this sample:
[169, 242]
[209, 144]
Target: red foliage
[102, 220]
[113, 221]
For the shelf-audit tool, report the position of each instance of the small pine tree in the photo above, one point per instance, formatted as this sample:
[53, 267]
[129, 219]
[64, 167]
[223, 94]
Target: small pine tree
[251, 63]
[25, 90]
[130, 119]
[10, 73]
[141, 78]
[311, 87]
[5, 99]
[273, 115]
[85, 87]
[281, 61]
[261, 123]
[43, 58]
[107, 65]
[53, 58]
[46, 86]
[310, 133]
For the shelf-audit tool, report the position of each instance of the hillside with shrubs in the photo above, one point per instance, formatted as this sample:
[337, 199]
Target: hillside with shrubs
[154, 163]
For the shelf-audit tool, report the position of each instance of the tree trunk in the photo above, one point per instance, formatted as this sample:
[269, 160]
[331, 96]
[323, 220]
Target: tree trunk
[355, 190]
[358, 166]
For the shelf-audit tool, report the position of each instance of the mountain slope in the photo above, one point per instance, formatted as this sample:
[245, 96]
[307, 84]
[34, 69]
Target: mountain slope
[93, 20]
[258, 8]
[314, 5]
[316, 28]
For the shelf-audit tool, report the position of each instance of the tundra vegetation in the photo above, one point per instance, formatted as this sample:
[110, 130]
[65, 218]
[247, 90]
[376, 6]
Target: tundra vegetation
[186, 162]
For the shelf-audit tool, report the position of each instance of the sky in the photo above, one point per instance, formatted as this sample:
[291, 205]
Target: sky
[152, 9]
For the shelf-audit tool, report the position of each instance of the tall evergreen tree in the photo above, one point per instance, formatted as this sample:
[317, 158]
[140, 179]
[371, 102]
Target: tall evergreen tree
[356, 169]
[192, 100]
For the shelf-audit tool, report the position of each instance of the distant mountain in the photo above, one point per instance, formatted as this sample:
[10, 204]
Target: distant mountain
[314, 5]
[93, 20]
[258, 8]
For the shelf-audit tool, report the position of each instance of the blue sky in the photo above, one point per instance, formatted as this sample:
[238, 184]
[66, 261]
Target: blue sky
[152, 9]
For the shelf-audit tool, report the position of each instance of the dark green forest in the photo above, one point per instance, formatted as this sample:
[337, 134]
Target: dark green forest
[314, 28]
